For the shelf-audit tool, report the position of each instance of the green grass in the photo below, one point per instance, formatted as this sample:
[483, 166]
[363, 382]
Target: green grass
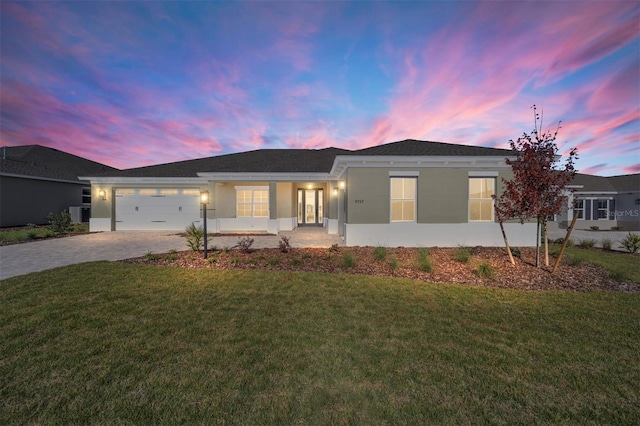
[132, 344]
[623, 265]
[36, 233]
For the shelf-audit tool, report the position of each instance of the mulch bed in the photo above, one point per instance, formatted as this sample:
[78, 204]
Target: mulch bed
[446, 268]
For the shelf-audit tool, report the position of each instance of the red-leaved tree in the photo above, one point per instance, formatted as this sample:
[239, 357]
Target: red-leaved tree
[539, 181]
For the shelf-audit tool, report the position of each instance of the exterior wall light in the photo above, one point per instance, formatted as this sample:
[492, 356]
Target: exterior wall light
[309, 186]
[102, 194]
[335, 191]
[204, 200]
[342, 185]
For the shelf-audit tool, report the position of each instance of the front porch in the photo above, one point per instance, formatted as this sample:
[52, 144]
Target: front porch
[298, 238]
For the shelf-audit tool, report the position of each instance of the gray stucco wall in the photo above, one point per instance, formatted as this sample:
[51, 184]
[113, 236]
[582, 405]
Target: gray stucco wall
[442, 194]
[24, 201]
[628, 212]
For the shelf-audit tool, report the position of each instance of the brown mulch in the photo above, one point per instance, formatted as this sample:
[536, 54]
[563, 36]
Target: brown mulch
[446, 268]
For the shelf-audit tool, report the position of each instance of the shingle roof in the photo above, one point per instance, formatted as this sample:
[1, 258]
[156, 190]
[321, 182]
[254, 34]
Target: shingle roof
[626, 183]
[622, 183]
[424, 148]
[299, 160]
[48, 163]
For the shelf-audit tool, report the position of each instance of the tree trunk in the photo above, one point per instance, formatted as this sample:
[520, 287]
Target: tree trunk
[565, 242]
[506, 243]
[546, 243]
[538, 244]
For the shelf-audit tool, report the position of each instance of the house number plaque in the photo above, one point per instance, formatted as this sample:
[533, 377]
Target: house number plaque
[359, 201]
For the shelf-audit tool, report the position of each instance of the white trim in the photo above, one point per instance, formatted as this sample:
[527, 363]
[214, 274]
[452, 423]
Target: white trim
[399, 173]
[483, 174]
[265, 177]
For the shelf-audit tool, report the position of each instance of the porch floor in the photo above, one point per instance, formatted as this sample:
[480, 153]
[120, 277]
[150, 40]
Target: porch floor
[304, 236]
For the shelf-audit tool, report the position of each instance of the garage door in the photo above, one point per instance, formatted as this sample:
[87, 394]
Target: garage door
[146, 209]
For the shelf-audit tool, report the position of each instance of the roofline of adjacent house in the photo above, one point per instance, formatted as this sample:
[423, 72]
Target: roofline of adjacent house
[81, 181]
[266, 176]
[140, 180]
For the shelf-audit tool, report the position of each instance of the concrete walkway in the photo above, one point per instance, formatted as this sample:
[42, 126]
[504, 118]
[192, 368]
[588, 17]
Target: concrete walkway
[20, 259]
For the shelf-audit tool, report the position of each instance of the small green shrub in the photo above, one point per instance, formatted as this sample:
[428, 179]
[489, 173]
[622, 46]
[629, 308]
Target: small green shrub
[573, 260]
[424, 261]
[617, 228]
[380, 253]
[569, 242]
[273, 262]
[235, 261]
[594, 228]
[213, 259]
[515, 252]
[60, 224]
[616, 275]
[348, 260]
[484, 270]
[296, 262]
[463, 254]
[306, 256]
[606, 243]
[151, 257]
[588, 243]
[334, 247]
[393, 262]
[631, 243]
[195, 237]
[172, 255]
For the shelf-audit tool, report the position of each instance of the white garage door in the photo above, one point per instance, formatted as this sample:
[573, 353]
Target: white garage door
[146, 209]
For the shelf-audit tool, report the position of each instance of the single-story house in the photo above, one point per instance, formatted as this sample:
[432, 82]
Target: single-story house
[36, 180]
[408, 193]
[605, 202]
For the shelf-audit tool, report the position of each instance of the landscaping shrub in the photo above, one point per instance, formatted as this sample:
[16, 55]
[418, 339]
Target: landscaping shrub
[573, 260]
[616, 228]
[60, 224]
[631, 243]
[515, 252]
[380, 253]
[463, 254]
[195, 237]
[334, 247]
[284, 245]
[606, 243]
[393, 262]
[587, 243]
[151, 257]
[424, 261]
[484, 270]
[348, 260]
[245, 243]
[595, 228]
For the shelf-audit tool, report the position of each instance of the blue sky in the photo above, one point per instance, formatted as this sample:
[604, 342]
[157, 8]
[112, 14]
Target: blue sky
[137, 83]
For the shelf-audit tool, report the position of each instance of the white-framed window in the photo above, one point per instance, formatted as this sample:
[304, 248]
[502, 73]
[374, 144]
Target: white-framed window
[252, 201]
[481, 190]
[403, 199]
[578, 210]
[603, 209]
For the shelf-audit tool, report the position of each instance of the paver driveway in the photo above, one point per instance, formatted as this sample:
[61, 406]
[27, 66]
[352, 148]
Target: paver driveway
[19, 259]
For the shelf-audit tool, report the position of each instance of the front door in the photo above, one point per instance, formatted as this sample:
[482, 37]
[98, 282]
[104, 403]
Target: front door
[310, 207]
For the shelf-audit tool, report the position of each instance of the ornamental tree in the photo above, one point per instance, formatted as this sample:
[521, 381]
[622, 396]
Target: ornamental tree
[539, 181]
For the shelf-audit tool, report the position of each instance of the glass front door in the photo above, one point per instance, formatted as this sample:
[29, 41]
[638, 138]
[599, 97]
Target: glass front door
[310, 206]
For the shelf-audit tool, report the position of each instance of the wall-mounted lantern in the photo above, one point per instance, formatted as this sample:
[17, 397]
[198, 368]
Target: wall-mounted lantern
[342, 184]
[102, 194]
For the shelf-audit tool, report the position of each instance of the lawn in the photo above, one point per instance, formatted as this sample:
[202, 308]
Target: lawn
[121, 343]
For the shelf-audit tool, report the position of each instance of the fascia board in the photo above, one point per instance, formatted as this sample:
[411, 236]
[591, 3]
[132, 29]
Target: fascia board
[145, 180]
[262, 177]
[82, 181]
[345, 161]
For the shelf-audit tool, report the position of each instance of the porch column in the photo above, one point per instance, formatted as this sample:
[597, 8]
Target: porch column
[272, 226]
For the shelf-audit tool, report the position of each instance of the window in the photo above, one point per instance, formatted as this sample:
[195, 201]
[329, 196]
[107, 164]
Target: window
[603, 209]
[403, 199]
[86, 195]
[480, 201]
[252, 202]
[579, 209]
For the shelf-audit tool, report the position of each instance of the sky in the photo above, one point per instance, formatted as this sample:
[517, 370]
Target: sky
[133, 83]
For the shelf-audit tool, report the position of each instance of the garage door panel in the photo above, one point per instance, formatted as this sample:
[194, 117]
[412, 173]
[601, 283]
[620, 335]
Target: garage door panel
[136, 211]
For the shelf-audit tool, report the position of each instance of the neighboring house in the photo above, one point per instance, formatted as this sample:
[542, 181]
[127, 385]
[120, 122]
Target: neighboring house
[408, 193]
[36, 180]
[605, 202]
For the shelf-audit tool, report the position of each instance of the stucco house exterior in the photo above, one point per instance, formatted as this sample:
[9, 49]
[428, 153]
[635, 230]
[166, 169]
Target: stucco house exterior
[605, 202]
[36, 180]
[408, 193]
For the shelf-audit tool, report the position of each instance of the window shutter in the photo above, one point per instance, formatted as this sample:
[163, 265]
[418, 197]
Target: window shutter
[587, 209]
[594, 210]
[612, 210]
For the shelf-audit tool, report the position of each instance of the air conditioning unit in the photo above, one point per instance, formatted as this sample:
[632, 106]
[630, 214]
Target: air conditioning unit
[79, 214]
